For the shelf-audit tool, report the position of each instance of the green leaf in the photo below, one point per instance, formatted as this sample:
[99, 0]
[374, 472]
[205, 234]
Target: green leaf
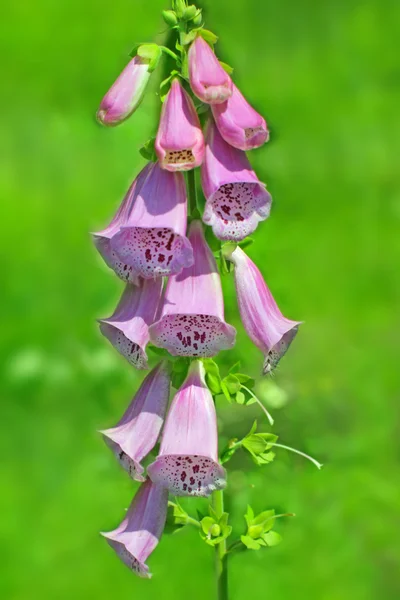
[249, 516]
[232, 383]
[213, 378]
[227, 68]
[250, 543]
[246, 242]
[158, 351]
[264, 459]
[151, 52]
[229, 451]
[208, 36]
[148, 152]
[235, 368]
[240, 398]
[225, 391]
[245, 380]
[272, 538]
[187, 38]
[206, 524]
[265, 519]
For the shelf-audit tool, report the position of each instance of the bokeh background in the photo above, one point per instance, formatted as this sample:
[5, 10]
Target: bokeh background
[326, 75]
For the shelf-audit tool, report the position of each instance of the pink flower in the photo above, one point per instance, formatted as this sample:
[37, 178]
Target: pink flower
[239, 124]
[179, 142]
[128, 328]
[126, 93]
[192, 320]
[236, 200]
[147, 237]
[208, 79]
[137, 432]
[139, 533]
[188, 460]
[264, 323]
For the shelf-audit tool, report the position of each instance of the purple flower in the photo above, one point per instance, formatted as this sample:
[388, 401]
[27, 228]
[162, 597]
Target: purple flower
[128, 328]
[126, 93]
[137, 432]
[179, 142]
[264, 323]
[192, 320]
[239, 124]
[208, 79]
[139, 533]
[147, 237]
[236, 199]
[188, 460]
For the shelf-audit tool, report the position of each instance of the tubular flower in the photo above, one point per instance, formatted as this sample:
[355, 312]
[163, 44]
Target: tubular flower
[126, 93]
[208, 79]
[188, 460]
[139, 533]
[239, 124]
[147, 237]
[192, 320]
[179, 143]
[128, 328]
[264, 323]
[236, 200]
[137, 432]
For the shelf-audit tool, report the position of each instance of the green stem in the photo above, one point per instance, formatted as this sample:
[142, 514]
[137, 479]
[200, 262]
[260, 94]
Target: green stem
[221, 558]
[191, 190]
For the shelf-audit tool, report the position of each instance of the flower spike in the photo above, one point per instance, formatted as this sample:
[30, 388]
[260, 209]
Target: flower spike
[188, 460]
[139, 533]
[264, 323]
[179, 143]
[147, 237]
[236, 200]
[126, 93]
[192, 320]
[208, 79]
[137, 432]
[128, 328]
[239, 124]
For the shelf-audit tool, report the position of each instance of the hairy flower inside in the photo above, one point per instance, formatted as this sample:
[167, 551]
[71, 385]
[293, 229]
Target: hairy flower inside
[179, 157]
[279, 350]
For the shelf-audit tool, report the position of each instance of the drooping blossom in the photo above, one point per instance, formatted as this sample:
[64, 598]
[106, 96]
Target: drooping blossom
[136, 434]
[208, 79]
[147, 237]
[126, 93]
[192, 318]
[236, 200]
[179, 143]
[239, 124]
[187, 463]
[128, 328]
[139, 533]
[264, 323]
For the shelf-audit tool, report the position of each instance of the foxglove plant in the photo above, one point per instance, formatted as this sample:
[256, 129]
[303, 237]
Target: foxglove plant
[158, 233]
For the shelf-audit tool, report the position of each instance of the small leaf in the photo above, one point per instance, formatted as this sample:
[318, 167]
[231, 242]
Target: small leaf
[250, 543]
[240, 398]
[208, 36]
[272, 538]
[245, 380]
[148, 152]
[227, 68]
[235, 368]
[206, 524]
[225, 391]
[249, 516]
[232, 383]
[187, 38]
[246, 242]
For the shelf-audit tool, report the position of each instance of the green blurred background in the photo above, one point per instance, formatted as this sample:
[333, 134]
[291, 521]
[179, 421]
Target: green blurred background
[326, 75]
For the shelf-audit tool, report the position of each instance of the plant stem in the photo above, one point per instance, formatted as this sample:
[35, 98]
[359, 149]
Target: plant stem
[191, 190]
[221, 557]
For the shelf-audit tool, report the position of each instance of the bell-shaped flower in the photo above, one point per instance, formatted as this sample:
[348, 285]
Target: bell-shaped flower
[147, 237]
[126, 93]
[128, 328]
[179, 143]
[239, 124]
[192, 319]
[139, 533]
[264, 323]
[236, 200]
[208, 79]
[136, 434]
[188, 460]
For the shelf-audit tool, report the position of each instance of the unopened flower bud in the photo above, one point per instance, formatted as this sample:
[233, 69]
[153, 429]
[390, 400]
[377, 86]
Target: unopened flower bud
[189, 12]
[170, 17]
[215, 530]
[198, 19]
